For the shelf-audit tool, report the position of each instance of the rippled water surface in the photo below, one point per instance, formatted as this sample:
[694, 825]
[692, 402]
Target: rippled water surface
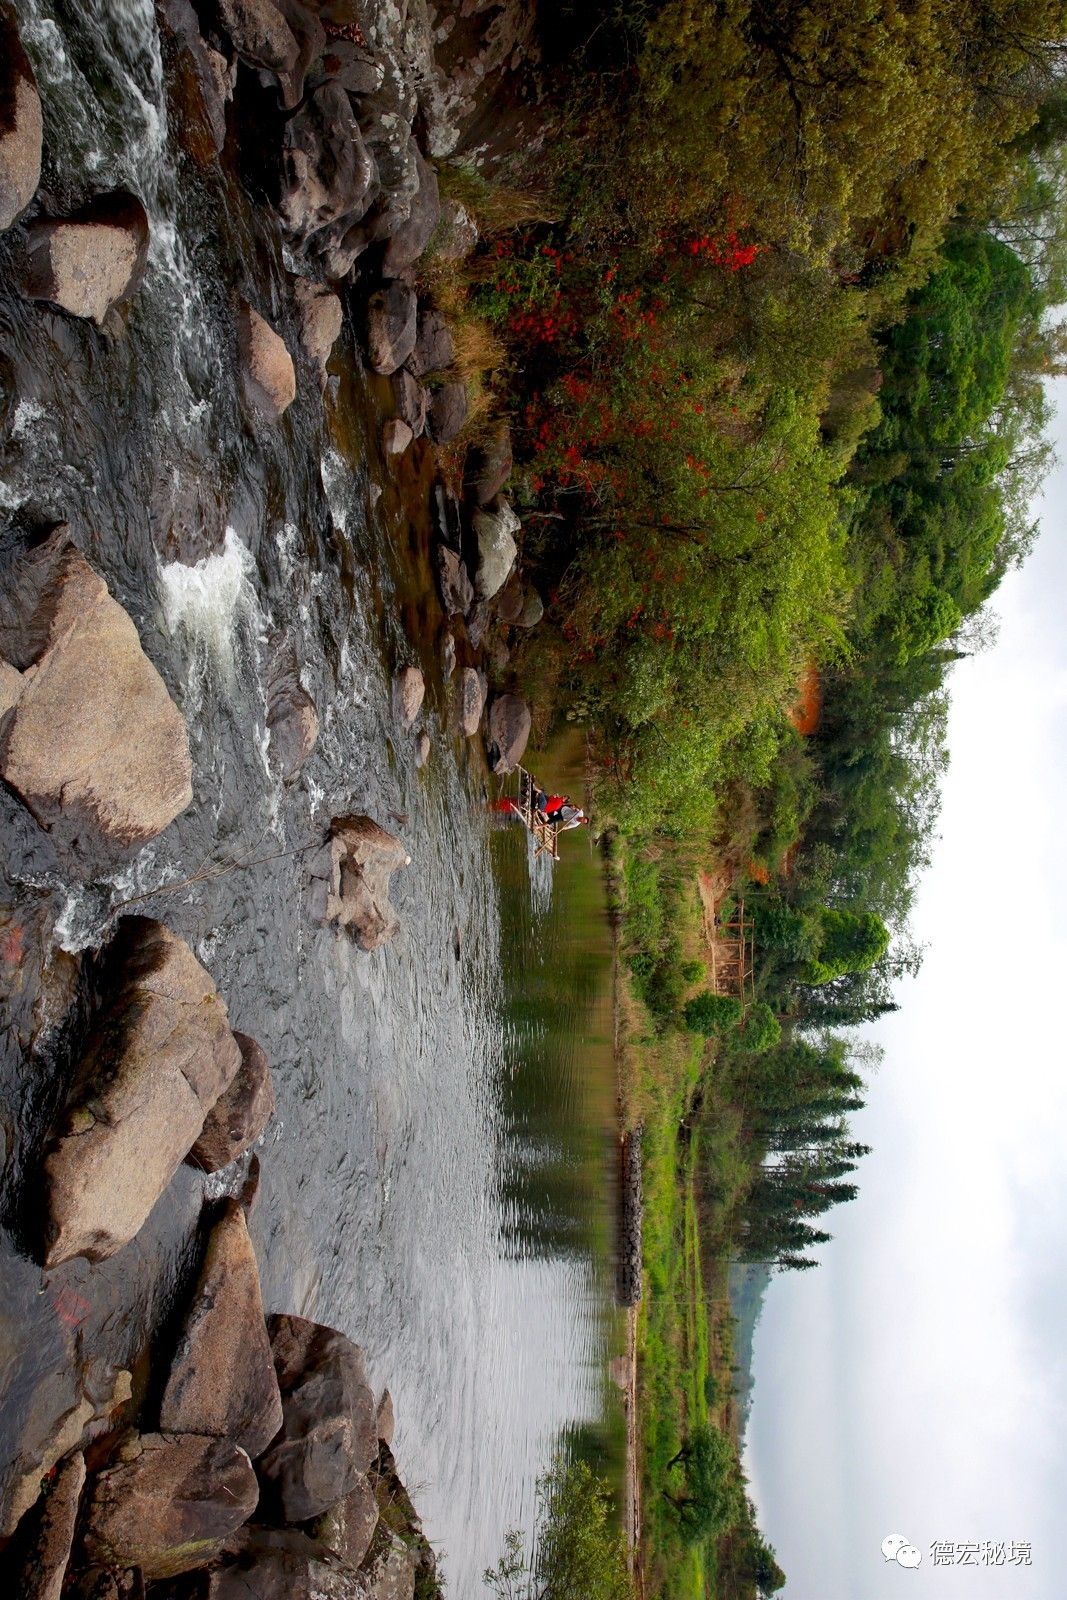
[444, 1105]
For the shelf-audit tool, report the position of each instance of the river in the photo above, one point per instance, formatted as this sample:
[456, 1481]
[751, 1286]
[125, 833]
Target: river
[437, 1179]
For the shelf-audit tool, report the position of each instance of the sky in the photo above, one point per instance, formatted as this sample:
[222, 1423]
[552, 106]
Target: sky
[916, 1383]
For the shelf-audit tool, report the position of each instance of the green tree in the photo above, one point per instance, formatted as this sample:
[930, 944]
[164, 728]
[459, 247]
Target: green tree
[711, 1497]
[711, 1013]
[579, 1547]
[762, 1029]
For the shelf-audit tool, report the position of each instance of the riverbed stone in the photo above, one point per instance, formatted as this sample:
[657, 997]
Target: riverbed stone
[351, 880]
[222, 1380]
[348, 1527]
[161, 1054]
[240, 1114]
[457, 232]
[470, 694]
[409, 691]
[47, 1553]
[92, 744]
[457, 591]
[411, 400]
[509, 732]
[268, 376]
[328, 174]
[21, 124]
[91, 261]
[410, 239]
[434, 349]
[533, 610]
[265, 35]
[423, 747]
[447, 412]
[169, 1503]
[494, 529]
[397, 435]
[392, 325]
[328, 1438]
[62, 1412]
[321, 319]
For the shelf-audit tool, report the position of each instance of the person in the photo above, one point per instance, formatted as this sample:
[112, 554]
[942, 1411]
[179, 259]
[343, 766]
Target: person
[567, 816]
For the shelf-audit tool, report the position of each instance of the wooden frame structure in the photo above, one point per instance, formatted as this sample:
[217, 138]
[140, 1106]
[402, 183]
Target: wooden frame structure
[546, 836]
[733, 956]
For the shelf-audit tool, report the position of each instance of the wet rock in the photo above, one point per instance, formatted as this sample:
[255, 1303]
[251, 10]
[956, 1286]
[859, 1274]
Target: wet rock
[494, 529]
[447, 412]
[392, 323]
[321, 318]
[327, 171]
[488, 467]
[434, 347]
[161, 1055]
[457, 232]
[169, 1504]
[280, 39]
[509, 731]
[470, 701]
[328, 1438]
[397, 435]
[351, 880]
[240, 1114]
[386, 1418]
[222, 1380]
[510, 600]
[457, 591]
[91, 261]
[294, 729]
[61, 1417]
[479, 618]
[353, 67]
[45, 1562]
[21, 125]
[348, 1527]
[533, 610]
[93, 743]
[448, 654]
[411, 238]
[422, 750]
[447, 517]
[499, 656]
[411, 400]
[268, 376]
[310, 1573]
[409, 691]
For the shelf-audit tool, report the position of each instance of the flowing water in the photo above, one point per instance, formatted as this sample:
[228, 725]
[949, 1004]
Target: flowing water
[437, 1177]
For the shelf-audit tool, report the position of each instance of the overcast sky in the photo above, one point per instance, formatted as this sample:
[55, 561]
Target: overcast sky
[916, 1383]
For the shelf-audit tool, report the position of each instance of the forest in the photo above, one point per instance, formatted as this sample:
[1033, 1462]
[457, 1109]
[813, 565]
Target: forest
[772, 314]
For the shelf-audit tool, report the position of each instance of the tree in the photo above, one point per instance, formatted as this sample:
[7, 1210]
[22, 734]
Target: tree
[849, 942]
[580, 1550]
[711, 1013]
[762, 1030]
[711, 1499]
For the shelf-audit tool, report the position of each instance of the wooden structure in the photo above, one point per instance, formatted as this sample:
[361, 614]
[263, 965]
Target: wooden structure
[733, 956]
[546, 836]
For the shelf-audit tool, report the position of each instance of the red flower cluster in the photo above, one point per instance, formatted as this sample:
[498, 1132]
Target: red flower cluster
[723, 250]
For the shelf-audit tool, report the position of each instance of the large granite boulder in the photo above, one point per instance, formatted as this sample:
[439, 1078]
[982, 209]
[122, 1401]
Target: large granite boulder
[268, 376]
[91, 261]
[161, 1055]
[63, 1412]
[47, 1551]
[447, 412]
[509, 731]
[410, 399]
[435, 348]
[239, 1115]
[169, 1504]
[222, 1381]
[321, 318]
[90, 740]
[348, 1527]
[281, 38]
[21, 125]
[457, 591]
[308, 1572]
[327, 171]
[410, 239]
[392, 326]
[494, 529]
[329, 1436]
[391, 1574]
[409, 691]
[470, 691]
[351, 880]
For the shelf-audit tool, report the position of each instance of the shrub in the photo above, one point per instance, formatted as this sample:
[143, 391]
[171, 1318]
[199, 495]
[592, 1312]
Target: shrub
[709, 1013]
[762, 1030]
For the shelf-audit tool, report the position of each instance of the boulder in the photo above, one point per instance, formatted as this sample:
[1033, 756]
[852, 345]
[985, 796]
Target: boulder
[293, 723]
[169, 1503]
[282, 39]
[21, 124]
[351, 880]
[434, 347]
[397, 435]
[447, 412]
[409, 240]
[494, 529]
[479, 618]
[47, 1553]
[348, 1527]
[327, 171]
[91, 261]
[386, 1418]
[457, 591]
[392, 324]
[410, 400]
[391, 1575]
[328, 1437]
[448, 653]
[268, 376]
[311, 1572]
[161, 1055]
[239, 1115]
[92, 742]
[222, 1380]
[321, 318]
[488, 467]
[422, 750]
[509, 730]
[64, 1411]
[533, 610]
[470, 701]
[510, 601]
[409, 691]
[457, 232]
[353, 67]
